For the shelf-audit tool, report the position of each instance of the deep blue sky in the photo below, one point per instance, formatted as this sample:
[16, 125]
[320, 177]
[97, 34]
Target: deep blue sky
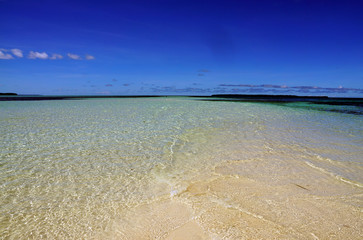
[181, 47]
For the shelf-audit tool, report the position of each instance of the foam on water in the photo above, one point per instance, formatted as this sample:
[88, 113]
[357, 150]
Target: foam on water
[168, 167]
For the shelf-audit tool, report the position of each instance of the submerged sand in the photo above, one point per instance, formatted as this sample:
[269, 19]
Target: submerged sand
[232, 204]
[178, 169]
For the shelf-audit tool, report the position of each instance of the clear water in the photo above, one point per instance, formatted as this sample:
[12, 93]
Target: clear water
[177, 168]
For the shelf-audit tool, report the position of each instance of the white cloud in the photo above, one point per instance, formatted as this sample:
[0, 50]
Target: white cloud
[5, 55]
[90, 57]
[34, 55]
[74, 56]
[56, 56]
[17, 52]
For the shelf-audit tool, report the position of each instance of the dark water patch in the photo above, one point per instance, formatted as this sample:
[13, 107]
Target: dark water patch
[319, 103]
[345, 111]
[358, 102]
[39, 98]
[293, 98]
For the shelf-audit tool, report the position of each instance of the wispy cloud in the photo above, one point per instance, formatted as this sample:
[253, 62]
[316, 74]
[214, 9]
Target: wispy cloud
[5, 55]
[89, 57]
[10, 53]
[203, 70]
[254, 86]
[284, 88]
[173, 89]
[256, 89]
[74, 56]
[40, 55]
[108, 85]
[56, 56]
[17, 52]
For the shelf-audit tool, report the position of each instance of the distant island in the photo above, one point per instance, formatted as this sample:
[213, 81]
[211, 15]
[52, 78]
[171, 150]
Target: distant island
[11, 94]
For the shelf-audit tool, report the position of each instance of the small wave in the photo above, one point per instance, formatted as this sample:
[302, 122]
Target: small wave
[324, 159]
[171, 149]
[340, 178]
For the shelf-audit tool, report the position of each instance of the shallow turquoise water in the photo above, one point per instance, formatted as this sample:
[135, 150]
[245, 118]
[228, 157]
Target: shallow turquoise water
[70, 168]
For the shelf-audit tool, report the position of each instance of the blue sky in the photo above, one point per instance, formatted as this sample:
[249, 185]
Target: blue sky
[181, 47]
